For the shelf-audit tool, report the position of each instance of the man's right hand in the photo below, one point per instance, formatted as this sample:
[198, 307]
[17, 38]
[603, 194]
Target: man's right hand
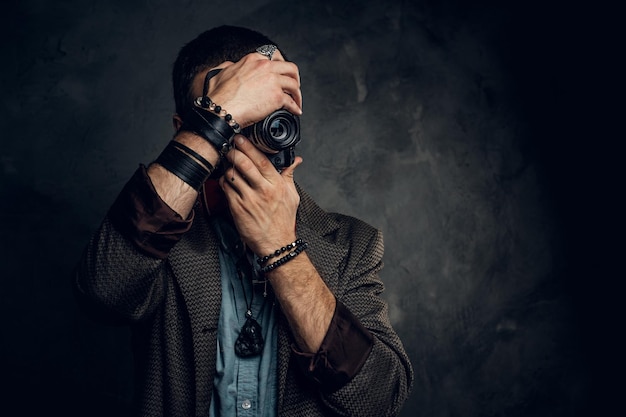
[254, 87]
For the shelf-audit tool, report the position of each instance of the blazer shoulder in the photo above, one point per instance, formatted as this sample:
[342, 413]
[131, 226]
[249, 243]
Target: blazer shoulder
[337, 226]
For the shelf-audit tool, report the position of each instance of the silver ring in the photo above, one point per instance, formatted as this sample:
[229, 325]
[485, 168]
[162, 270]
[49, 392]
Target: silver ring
[267, 50]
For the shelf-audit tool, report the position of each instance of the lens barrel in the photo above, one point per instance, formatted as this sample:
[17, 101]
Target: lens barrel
[280, 130]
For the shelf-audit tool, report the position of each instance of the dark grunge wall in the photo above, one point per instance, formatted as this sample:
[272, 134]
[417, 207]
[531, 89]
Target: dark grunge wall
[458, 130]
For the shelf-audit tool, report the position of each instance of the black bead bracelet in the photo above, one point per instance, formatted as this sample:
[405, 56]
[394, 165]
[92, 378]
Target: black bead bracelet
[277, 252]
[206, 103]
[291, 255]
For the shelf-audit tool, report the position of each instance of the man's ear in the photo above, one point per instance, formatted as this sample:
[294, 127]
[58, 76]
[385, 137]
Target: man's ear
[177, 121]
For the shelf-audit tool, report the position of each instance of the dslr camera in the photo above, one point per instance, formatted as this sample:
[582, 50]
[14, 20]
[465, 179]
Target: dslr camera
[276, 136]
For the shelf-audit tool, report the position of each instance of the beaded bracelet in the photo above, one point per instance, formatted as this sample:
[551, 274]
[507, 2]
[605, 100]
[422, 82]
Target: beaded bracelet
[297, 251]
[206, 103]
[277, 252]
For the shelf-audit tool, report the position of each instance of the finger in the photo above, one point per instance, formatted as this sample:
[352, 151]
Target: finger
[243, 171]
[294, 95]
[277, 58]
[292, 104]
[288, 172]
[229, 184]
[254, 56]
[284, 68]
[250, 161]
[288, 69]
[283, 93]
[232, 195]
[246, 147]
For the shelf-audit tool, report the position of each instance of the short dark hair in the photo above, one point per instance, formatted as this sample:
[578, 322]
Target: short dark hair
[209, 49]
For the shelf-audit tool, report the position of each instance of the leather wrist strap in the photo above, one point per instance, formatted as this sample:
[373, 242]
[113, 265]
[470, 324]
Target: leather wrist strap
[211, 127]
[207, 124]
[183, 166]
[195, 154]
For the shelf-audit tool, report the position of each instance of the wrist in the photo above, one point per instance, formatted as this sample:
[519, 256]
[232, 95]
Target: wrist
[198, 144]
[281, 255]
[208, 124]
[233, 108]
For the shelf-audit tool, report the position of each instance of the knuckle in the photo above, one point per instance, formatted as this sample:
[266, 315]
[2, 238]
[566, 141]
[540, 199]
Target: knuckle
[250, 57]
[245, 165]
[266, 192]
[262, 64]
[277, 96]
[264, 163]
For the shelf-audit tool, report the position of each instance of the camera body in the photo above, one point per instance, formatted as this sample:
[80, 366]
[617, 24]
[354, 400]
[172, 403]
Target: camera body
[276, 136]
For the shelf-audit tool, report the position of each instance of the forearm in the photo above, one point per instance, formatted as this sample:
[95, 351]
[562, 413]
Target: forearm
[360, 345]
[177, 194]
[343, 353]
[305, 299]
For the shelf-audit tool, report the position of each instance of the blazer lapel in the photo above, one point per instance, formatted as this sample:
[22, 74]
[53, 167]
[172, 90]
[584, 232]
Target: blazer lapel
[195, 263]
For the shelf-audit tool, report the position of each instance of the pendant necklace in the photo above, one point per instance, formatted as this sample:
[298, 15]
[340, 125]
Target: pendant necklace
[250, 340]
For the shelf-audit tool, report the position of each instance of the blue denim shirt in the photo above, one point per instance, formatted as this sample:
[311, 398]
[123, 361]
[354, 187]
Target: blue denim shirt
[242, 386]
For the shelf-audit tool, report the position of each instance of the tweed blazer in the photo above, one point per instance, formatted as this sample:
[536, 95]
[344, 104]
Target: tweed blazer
[172, 306]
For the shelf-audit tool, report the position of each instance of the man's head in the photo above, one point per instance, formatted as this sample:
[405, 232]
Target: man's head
[209, 49]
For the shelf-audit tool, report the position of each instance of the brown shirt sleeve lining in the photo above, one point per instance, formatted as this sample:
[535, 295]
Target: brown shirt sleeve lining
[142, 217]
[343, 352]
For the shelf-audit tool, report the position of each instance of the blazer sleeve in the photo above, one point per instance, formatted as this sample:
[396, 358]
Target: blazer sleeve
[385, 378]
[122, 275]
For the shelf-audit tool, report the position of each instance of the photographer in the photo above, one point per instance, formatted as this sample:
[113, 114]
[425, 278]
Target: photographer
[243, 296]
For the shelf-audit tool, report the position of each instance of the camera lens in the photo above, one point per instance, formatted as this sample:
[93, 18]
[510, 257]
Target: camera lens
[280, 130]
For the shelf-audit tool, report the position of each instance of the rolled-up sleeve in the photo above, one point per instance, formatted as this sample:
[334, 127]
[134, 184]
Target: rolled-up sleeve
[143, 218]
[343, 351]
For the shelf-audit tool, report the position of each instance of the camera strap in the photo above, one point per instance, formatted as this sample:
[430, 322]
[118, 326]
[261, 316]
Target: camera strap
[207, 78]
[214, 129]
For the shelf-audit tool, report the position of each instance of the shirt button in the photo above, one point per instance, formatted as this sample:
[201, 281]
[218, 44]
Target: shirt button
[246, 404]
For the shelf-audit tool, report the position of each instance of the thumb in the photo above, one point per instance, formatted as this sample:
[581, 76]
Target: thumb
[288, 172]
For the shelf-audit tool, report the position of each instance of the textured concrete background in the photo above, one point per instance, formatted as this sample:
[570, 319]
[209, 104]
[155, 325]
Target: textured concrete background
[447, 126]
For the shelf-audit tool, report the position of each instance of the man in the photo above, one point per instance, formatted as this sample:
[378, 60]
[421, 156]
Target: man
[243, 296]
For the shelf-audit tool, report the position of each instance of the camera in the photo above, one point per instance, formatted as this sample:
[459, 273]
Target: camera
[276, 136]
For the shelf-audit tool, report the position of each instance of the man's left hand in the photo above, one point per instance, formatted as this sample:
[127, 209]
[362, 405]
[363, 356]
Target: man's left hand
[262, 201]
